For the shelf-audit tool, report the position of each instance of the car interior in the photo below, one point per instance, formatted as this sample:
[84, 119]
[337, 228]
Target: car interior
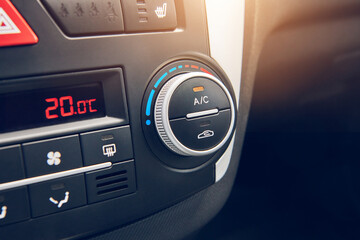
[179, 119]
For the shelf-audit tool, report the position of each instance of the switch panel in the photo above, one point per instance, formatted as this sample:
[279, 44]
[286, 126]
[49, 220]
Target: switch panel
[48, 194]
[83, 17]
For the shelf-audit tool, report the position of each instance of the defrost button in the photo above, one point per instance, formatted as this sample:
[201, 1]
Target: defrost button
[110, 145]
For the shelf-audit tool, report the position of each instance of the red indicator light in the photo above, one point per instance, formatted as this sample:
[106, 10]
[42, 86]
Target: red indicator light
[187, 66]
[205, 71]
[193, 66]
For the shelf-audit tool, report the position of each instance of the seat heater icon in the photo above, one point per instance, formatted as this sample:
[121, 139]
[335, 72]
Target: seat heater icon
[161, 11]
[109, 150]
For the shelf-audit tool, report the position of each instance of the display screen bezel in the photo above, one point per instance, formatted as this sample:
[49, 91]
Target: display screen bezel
[51, 106]
[114, 101]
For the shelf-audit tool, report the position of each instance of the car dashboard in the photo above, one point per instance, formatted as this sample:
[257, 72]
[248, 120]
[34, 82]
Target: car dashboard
[179, 119]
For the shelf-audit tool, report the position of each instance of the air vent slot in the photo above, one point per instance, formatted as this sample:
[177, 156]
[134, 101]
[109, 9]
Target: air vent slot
[114, 189]
[111, 175]
[117, 181]
[112, 182]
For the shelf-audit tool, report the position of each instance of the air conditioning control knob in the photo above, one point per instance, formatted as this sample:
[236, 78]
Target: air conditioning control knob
[194, 114]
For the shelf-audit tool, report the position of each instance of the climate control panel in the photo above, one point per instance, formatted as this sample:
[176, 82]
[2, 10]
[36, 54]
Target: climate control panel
[117, 113]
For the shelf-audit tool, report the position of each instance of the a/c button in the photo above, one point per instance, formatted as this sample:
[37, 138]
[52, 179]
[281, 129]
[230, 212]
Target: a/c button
[196, 95]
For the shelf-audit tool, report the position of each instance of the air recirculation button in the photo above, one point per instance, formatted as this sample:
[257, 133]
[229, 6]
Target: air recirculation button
[202, 133]
[194, 114]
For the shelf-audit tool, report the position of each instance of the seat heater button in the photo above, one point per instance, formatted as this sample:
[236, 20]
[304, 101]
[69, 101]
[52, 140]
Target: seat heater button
[154, 15]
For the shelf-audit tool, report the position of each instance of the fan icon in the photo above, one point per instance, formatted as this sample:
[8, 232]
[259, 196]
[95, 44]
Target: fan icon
[53, 158]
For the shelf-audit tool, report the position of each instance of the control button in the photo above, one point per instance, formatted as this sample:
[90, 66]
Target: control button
[57, 195]
[117, 181]
[11, 164]
[202, 133]
[196, 95]
[14, 206]
[83, 17]
[194, 99]
[141, 15]
[54, 155]
[14, 30]
[111, 145]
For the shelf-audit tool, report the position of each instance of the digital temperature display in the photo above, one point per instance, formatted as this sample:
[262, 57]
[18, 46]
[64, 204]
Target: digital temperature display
[46, 107]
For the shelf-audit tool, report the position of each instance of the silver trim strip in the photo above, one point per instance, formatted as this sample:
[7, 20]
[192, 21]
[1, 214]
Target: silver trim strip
[28, 181]
[202, 113]
[226, 23]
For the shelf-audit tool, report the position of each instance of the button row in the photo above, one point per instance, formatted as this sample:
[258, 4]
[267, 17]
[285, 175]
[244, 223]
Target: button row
[65, 153]
[62, 154]
[83, 17]
[67, 193]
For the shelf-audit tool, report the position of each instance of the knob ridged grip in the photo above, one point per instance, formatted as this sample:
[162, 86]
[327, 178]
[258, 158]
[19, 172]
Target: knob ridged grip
[159, 119]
